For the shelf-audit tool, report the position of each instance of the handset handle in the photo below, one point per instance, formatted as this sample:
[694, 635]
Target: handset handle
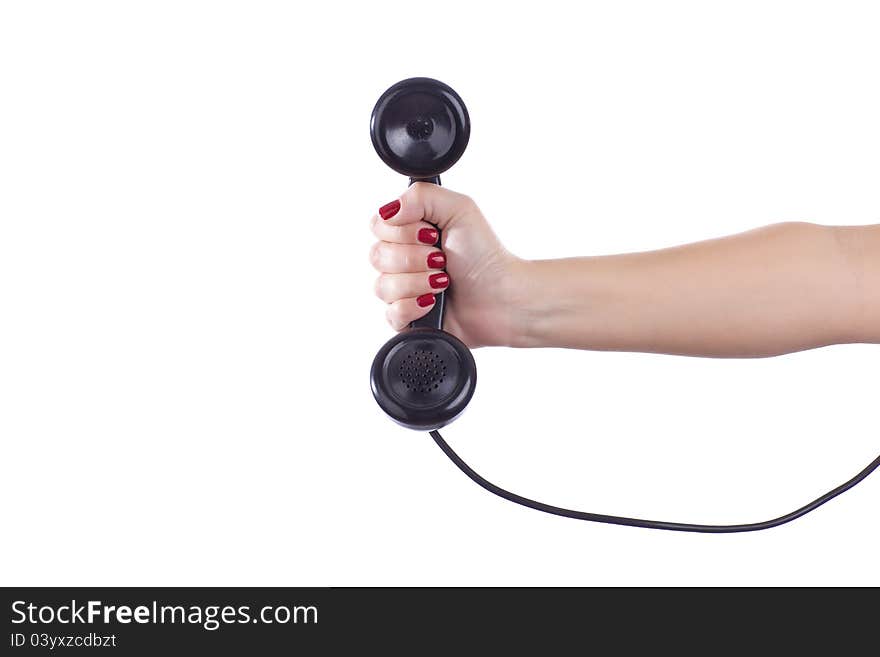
[434, 317]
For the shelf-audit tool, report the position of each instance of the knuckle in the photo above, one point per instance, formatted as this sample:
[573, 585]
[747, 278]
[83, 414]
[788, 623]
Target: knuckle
[394, 315]
[468, 204]
[376, 255]
[417, 193]
[379, 286]
[386, 288]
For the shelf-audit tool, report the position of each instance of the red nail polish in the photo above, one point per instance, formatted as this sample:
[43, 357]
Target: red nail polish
[436, 260]
[425, 300]
[427, 235]
[389, 210]
[438, 280]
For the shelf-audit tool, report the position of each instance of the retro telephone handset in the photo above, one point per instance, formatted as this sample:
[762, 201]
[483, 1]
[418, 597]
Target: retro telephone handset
[424, 377]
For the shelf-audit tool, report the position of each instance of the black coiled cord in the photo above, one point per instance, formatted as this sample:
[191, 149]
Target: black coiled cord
[648, 524]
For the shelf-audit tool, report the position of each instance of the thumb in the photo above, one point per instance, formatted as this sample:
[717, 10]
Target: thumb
[428, 202]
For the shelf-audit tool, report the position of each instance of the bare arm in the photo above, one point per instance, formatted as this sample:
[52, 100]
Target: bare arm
[773, 290]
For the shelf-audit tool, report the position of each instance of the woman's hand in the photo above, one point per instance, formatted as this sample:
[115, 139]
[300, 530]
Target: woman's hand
[479, 275]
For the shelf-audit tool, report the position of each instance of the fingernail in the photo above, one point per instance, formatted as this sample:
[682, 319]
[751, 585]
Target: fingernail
[425, 300]
[436, 260]
[438, 280]
[427, 235]
[389, 210]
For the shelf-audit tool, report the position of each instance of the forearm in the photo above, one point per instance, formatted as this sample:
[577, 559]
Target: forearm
[773, 290]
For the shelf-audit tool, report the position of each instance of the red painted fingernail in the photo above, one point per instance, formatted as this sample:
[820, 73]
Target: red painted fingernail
[438, 280]
[436, 260]
[425, 300]
[427, 235]
[389, 210]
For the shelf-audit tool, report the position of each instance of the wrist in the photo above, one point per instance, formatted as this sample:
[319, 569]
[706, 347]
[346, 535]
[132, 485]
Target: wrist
[570, 302]
[512, 310]
[534, 304]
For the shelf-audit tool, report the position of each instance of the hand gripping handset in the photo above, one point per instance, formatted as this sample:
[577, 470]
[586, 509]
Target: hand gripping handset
[423, 377]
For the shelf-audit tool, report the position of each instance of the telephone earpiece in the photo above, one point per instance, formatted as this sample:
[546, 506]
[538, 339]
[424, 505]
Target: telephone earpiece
[420, 127]
[423, 377]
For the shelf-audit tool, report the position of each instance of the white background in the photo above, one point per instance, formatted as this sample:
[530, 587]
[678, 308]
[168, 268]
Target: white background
[187, 318]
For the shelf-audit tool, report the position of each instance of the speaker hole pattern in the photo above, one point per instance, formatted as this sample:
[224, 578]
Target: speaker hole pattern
[422, 371]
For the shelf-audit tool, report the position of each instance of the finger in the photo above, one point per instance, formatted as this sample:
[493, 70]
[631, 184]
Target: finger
[426, 202]
[419, 232]
[394, 287]
[402, 312]
[401, 258]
